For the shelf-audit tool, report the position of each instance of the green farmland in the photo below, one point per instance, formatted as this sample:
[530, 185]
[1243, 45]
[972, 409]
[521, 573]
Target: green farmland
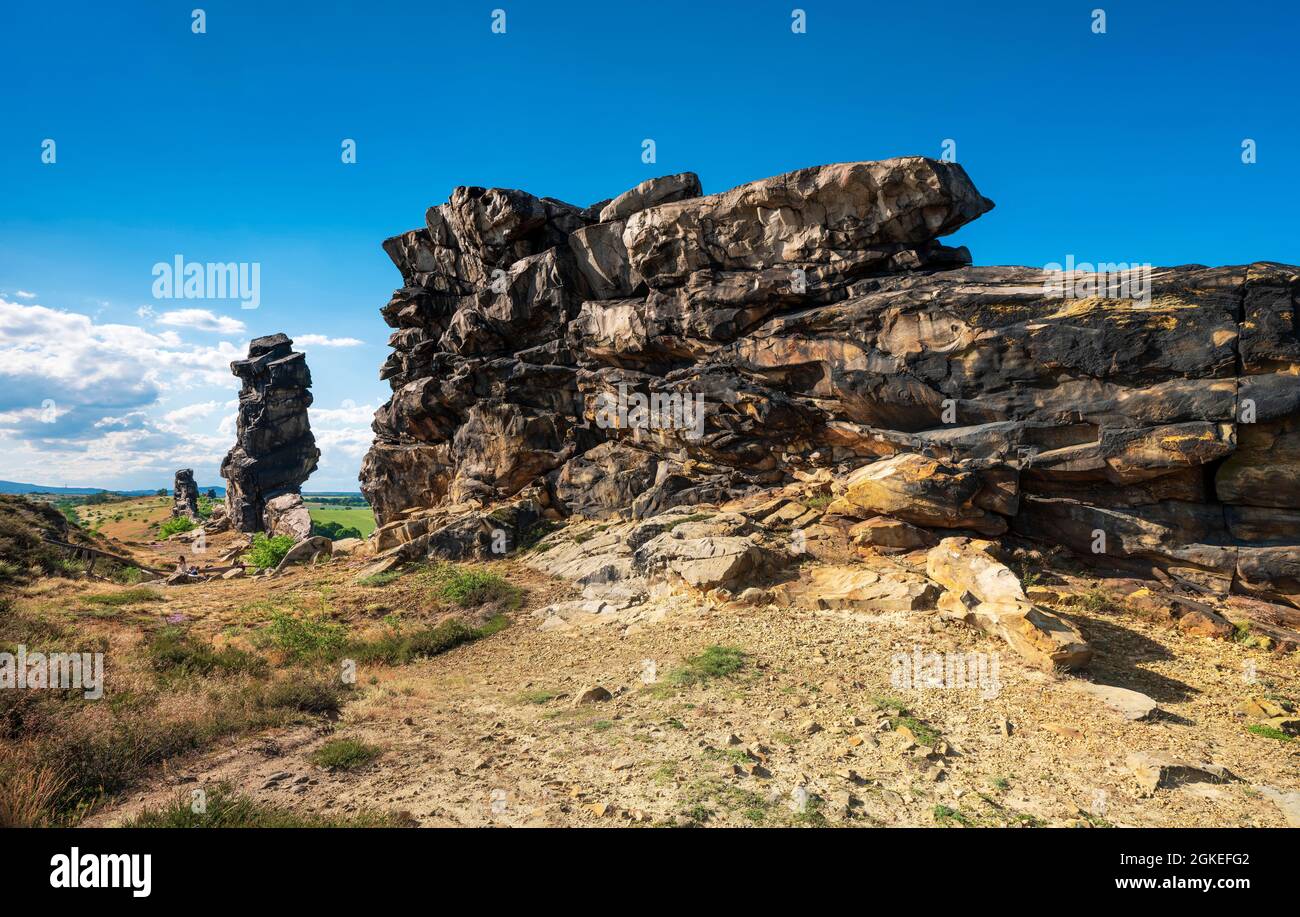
[359, 517]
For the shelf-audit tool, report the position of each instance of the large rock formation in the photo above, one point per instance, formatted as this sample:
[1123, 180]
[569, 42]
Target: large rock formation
[275, 451]
[185, 495]
[666, 349]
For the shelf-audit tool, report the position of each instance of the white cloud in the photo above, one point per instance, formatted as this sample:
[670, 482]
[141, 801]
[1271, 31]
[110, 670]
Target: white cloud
[200, 320]
[23, 294]
[320, 340]
[112, 405]
[191, 412]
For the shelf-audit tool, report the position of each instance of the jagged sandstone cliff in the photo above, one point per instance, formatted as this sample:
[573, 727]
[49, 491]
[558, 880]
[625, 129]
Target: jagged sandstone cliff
[666, 348]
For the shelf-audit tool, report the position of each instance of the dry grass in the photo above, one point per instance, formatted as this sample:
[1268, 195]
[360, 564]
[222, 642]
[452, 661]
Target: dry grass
[28, 792]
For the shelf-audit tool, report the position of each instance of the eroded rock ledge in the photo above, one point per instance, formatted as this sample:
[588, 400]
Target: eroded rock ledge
[824, 332]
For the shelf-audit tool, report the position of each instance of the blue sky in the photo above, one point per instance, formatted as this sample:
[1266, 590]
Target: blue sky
[225, 146]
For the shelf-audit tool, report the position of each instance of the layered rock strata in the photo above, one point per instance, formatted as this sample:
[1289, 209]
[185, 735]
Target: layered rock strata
[668, 349]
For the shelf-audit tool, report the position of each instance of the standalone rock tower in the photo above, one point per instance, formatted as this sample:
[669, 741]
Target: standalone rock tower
[185, 495]
[275, 451]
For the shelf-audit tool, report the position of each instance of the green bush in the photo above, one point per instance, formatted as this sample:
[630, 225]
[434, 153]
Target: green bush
[127, 576]
[266, 553]
[176, 525]
[471, 588]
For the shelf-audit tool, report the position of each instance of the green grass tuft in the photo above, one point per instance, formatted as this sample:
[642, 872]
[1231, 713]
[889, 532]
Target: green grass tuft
[714, 662]
[344, 754]
[125, 597]
[222, 809]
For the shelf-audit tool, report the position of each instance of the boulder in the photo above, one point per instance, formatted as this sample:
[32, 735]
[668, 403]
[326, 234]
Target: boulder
[887, 533]
[307, 551]
[286, 514]
[1157, 770]
[1129, 704]
[651, 193]
[918, 490]
[986, 593]
[839, 588]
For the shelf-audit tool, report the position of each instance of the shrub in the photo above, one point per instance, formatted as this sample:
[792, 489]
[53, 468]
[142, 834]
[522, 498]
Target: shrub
[176, 525]
[306, 638]
[471, 588]
[268, 552]
[127, 576]
[308, 694]
[344, 754]
[173, 650]
[396, 648]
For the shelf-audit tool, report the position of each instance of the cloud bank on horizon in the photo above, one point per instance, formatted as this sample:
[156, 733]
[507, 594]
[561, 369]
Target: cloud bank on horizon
[103, 404]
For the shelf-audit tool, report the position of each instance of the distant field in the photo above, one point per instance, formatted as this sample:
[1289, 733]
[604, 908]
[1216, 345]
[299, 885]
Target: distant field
[362, 517]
